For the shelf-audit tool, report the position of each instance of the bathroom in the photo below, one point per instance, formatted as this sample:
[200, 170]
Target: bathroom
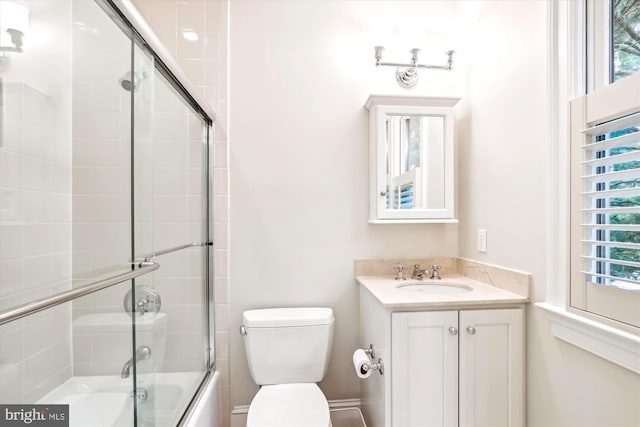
[287, 82]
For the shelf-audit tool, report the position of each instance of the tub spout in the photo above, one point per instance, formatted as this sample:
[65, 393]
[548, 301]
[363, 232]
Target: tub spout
[142, 353]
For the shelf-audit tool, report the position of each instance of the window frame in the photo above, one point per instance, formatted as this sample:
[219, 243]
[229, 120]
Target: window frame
[597, 44]
[606, 304]
[567, 79]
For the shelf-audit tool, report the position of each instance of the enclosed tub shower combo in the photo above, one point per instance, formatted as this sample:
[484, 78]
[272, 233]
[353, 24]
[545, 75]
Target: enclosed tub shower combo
[106, 299]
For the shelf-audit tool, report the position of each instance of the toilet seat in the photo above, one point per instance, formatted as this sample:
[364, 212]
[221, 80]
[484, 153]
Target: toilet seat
[289, 405]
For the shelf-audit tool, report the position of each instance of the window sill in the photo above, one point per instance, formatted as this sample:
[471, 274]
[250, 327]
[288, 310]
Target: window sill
[621, 348]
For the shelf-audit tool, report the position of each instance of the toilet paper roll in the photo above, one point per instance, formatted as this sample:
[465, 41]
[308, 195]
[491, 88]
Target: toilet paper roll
[362, 363]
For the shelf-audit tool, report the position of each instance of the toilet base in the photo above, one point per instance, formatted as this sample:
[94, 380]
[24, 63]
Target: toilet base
[289, 405]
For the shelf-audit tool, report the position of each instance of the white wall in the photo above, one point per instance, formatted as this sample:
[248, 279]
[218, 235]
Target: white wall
[503, 175]
[300, 73]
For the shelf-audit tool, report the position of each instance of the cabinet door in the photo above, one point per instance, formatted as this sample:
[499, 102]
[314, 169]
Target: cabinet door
[424, 369]
[491, 368]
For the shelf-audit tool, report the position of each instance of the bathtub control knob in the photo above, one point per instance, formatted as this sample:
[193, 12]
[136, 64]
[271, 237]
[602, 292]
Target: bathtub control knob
[453, 330]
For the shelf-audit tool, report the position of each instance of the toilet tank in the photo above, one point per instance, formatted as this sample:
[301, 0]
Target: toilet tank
[288, 345]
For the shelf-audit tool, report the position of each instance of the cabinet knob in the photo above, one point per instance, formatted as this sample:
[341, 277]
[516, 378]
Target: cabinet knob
[471, 330]
[383, 193]
[453, 330]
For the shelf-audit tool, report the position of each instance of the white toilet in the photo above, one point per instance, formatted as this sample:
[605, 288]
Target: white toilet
[288, 352]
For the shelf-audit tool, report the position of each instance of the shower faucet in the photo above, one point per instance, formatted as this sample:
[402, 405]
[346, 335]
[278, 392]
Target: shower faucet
[142, 353]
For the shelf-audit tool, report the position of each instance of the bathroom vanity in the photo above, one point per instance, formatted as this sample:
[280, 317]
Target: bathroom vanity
[452, 350]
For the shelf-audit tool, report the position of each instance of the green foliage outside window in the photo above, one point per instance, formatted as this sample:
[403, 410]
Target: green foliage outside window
[626, 38]
[624, 254]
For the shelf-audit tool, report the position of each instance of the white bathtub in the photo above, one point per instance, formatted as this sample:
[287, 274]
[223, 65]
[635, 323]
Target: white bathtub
[104, 401]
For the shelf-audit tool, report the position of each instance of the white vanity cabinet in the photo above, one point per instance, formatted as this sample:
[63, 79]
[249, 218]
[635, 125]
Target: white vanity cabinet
[457, 367]
[451, 357]
[424, 369]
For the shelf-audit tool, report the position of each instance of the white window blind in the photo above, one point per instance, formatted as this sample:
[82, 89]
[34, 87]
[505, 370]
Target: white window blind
[605, 221]
[612, 204]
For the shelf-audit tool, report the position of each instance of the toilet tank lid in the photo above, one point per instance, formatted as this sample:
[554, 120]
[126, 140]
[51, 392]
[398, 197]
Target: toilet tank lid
[284, 317]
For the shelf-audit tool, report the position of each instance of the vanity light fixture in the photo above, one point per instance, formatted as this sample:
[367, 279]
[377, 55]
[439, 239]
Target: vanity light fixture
[14, 23]
[407, 74]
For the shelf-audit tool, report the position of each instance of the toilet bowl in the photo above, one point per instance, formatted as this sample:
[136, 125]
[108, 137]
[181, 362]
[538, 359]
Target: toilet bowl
[288, 353]
[289, 405]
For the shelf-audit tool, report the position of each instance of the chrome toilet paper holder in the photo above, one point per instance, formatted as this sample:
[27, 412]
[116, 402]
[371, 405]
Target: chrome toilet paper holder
[371, 352]
[375, 367]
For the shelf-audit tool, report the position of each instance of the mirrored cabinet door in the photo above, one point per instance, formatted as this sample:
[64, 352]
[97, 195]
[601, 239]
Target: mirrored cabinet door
[411, 159]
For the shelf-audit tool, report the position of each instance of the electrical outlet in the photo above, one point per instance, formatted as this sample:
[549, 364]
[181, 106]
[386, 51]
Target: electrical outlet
[482, 240]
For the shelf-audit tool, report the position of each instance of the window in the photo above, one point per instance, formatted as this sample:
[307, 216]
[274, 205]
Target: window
[405, 136]
[605, 168]
[612, 50]
[625, 36]
[605, 203]
[594, 313]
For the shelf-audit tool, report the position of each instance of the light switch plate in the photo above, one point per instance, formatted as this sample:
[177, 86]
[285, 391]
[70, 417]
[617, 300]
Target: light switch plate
[482, 240]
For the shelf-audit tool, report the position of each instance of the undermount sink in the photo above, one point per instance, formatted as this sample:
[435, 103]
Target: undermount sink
[433, 288]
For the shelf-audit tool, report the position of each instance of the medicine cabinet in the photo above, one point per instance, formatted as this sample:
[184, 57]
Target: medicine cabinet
[412, 177]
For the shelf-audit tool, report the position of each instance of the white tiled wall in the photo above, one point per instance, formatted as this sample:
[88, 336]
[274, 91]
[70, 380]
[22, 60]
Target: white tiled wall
[35, 234]
[101, 171]
[170, 202]
[101, 181]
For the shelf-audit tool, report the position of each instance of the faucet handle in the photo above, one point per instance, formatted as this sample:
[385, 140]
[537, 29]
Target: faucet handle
[435, 274]
[400, 272]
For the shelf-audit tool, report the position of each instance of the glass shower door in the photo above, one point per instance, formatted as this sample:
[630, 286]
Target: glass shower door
[65, 208]
[170, 152]
[103, 170]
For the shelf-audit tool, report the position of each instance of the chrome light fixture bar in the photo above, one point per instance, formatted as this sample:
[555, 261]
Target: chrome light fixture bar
[407, 74]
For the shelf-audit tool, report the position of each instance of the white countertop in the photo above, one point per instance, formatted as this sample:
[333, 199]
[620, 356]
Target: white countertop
[385, 289]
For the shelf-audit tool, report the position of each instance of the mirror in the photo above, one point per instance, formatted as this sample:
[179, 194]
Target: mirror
[412, 176]
[415, 162]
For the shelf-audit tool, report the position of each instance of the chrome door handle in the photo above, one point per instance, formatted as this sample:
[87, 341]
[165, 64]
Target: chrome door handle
[471, 330]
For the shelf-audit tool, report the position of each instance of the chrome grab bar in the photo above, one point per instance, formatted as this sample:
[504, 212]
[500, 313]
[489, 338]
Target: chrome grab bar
[62, 297]
[147, 257]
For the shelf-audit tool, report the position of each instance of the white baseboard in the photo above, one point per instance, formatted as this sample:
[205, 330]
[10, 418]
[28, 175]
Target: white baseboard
[333, 404]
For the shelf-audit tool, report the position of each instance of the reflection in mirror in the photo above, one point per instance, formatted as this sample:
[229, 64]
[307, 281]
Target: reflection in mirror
[415, 166]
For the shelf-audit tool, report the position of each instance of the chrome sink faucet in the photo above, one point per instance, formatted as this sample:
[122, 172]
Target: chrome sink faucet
[142, 353]
[418, 273]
